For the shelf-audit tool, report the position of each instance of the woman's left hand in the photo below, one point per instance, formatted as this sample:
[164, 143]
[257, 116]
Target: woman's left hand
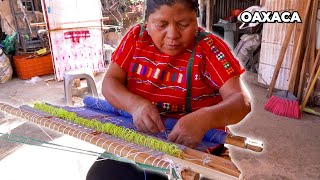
[188, 131]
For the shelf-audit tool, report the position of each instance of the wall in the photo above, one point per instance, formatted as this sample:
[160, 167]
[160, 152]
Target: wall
[272, 39]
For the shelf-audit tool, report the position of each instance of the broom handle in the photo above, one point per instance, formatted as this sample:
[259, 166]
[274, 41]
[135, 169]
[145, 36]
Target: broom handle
[283, 50]
[303, 104]
[294, 65]
[307, 54]
[313, 70]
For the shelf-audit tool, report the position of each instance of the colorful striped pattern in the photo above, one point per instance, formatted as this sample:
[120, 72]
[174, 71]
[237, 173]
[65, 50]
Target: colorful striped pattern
[157, 73]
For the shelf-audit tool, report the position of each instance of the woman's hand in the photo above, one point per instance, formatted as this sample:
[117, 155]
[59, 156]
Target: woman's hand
[189, 130]
[146, 117]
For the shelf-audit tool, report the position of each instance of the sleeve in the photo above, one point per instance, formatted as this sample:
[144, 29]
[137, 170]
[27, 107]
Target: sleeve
[219, 64]
[124, 52]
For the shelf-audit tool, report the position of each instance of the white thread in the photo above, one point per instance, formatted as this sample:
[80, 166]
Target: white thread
[122, 150]
[27, 116]
[159, 162]
[110, 146]
[50, 124]
[32, 117]
[136, 155]
[65, 127]
[40, 120]
[81, 135]
[5, 108]
[69, 131]
[103, 143]
[20, 111]
[45, 132]
[86, 136]
[91, 139]
[214, 136]
[59, 127]
[154, 161]
[144, 162]
[114, 150]
[74, 133]
[171, 166]
[97, 142]
[11, 110]
[78, 134]
[205, 159]
[128, 154]
[54, 125]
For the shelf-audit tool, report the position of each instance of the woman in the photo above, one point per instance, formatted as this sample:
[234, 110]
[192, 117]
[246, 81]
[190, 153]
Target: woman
[149, 75]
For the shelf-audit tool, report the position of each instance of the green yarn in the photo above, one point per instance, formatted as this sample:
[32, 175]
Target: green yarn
[114, 130]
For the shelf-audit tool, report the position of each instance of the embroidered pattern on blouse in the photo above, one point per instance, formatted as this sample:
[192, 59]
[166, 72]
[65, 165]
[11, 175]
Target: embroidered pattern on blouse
[220, 56]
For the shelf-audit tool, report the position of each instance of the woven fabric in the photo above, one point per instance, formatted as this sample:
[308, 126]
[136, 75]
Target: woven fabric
[103, 110]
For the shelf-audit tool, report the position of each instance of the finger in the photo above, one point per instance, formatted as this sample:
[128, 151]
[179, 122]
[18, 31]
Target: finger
[144, 128]
[189, 142]
[151, 125]
[172, 136]
[180, 140]
[184, 140]
[157, 121]
[141, 126]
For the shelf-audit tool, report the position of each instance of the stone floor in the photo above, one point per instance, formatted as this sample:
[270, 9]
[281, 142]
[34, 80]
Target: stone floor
[291, 146]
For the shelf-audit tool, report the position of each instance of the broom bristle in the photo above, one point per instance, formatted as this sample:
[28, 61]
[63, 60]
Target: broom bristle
[283, 107]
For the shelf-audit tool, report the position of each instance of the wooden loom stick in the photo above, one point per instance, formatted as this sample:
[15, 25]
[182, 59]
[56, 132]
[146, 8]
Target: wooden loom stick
[297, 54]
[313, 41]
[307, 56]
[314, 80]
[283, 50]
[218, 165]
[244, 143]
[108, 145]
[311, 76]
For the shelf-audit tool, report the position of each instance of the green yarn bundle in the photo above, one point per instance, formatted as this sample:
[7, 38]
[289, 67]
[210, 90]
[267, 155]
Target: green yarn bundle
[114, 130]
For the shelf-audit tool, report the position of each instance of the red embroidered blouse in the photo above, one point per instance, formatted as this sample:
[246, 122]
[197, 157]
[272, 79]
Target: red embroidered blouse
[161, 79]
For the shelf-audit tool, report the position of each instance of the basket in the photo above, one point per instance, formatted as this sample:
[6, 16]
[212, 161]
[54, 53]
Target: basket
[27, 68]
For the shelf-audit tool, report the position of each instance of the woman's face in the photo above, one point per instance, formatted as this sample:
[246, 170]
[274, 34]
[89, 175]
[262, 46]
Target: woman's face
[172, 28]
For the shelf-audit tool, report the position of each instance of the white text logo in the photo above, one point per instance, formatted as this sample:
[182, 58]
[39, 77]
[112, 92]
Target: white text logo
[270, 17]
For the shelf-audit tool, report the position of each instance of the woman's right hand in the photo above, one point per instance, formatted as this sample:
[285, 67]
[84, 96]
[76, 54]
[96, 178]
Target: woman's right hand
[146, 117]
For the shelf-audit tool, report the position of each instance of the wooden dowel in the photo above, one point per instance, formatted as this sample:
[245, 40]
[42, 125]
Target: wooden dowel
[216, 167]
[212, 162]
[206, 170]
[245, 143]
[296, 58]
[283, 50]
[304, 102]
[311, 76]
[111, 147]
[307, 56]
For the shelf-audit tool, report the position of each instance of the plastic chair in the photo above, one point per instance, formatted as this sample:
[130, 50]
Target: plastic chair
[78, 74]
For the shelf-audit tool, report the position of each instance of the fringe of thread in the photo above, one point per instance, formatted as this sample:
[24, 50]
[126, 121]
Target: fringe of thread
[114, 130]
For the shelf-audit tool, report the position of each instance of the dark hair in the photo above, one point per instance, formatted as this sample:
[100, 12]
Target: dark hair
[153, 5]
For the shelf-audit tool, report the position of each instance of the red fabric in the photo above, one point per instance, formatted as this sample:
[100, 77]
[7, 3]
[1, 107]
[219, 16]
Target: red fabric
[162, 79]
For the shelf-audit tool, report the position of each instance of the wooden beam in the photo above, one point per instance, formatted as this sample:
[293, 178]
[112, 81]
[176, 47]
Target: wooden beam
[209, 19]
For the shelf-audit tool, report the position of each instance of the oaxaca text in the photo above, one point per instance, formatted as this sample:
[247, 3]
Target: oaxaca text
[270, 17]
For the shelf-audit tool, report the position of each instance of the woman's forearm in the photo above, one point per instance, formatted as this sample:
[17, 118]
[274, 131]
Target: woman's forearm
[118, 95]
[230, 111]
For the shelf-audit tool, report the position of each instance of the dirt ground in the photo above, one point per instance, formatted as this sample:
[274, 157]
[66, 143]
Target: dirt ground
[291, 146]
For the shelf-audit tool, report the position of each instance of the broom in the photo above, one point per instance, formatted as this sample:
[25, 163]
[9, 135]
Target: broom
[284, 103]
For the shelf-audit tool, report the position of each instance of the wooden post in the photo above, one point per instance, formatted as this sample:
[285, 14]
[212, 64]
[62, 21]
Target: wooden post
[209, 16]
